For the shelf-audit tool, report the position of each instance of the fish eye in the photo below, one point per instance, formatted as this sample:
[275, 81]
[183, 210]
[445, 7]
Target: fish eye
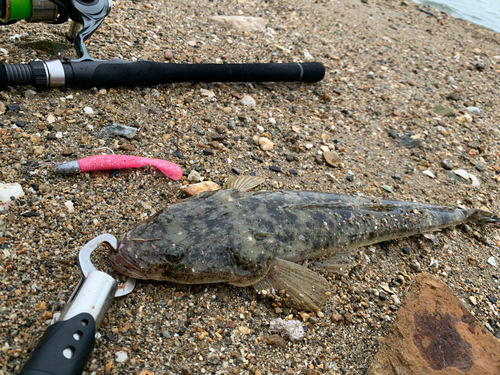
[175, 254]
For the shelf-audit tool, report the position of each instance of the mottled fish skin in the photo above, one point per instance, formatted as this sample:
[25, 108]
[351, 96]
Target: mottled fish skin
[233, 236]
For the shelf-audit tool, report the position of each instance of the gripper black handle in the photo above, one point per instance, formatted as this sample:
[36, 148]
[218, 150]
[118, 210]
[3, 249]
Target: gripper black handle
[74, 338]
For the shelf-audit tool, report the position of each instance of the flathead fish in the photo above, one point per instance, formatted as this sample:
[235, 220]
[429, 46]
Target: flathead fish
[257, 238]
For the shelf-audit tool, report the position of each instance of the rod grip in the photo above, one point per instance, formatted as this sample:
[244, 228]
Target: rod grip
[146, 73]
[116, 73]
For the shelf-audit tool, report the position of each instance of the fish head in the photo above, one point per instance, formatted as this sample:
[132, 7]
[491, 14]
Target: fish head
[194, 262]
[205, 239]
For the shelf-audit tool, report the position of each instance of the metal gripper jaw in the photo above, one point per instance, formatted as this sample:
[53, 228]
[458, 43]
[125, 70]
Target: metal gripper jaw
[87, 16]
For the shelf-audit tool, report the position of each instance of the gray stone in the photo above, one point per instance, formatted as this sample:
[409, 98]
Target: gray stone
[473, 110]
[454, 96]
[447, 164]
[118, 130]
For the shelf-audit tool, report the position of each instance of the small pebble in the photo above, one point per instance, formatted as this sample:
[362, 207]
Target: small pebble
[194, 176]
[248, 101]
[392, 133]
[447, 164]
[387, 188]
[69, 205]
[473, 110]
[480, 167]
[416, 266]
[121, 356]
[265, 144]
[168, 55]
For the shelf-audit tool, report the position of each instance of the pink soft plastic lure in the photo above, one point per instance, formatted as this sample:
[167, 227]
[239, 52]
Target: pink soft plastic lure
[103, 162]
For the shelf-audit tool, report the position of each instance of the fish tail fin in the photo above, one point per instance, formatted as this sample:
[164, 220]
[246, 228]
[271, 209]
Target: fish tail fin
[308, 289]
[484, 217]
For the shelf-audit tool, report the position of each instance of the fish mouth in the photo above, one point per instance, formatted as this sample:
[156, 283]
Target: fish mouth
[124, 265]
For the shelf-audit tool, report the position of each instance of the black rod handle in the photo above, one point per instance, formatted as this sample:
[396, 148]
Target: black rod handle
[115, 73]
[64, 348]
[146, 73]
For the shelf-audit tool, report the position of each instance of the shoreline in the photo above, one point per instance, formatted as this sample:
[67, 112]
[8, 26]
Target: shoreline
[457, 14]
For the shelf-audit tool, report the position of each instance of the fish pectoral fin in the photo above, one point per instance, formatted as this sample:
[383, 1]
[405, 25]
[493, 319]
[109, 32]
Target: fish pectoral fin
[244, 183]
[340, 264]
[307, 288]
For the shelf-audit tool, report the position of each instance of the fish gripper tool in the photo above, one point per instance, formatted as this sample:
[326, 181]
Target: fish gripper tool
[66, 345]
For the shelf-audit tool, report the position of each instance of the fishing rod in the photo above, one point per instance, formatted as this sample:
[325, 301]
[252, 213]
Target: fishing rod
[86, 16]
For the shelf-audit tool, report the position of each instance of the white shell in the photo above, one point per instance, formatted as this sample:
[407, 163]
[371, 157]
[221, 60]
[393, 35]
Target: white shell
[475, 181]
[10, 190]
[462, 173]
[429, 173]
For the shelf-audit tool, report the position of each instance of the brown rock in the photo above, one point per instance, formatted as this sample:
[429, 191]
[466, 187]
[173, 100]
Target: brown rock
[220, 129]
[472, 261]
[434, 333]
[332, 158]
[194, 189]
[337, 318]
[126, 147]
[348, 318]
[276, 340]
[67, 152]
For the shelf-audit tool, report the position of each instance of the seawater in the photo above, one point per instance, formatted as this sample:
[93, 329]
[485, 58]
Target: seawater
[482, 12]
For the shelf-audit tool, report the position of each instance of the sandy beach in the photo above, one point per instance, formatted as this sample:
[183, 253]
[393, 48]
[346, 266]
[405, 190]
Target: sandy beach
[409, 98]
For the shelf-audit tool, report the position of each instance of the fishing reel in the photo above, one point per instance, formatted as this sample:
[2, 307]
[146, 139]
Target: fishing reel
[85, 15]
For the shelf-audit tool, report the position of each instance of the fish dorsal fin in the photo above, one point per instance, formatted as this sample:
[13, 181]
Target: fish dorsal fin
[244, 183]
[307, 288]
